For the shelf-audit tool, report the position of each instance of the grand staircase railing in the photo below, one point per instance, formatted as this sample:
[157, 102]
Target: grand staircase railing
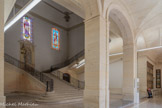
[35, 73]
[73, 82]
[66, 63]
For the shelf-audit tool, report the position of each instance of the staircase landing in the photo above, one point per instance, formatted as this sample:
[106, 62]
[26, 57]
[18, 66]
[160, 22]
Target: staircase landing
[63, 93]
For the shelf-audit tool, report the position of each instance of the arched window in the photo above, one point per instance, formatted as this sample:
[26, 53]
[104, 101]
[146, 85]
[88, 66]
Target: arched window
[27, 29]
[55, 39]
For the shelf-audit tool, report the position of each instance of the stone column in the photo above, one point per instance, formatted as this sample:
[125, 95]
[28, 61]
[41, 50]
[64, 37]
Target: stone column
[96, 93]
[142, 73]
[129, 72]
[2, 97]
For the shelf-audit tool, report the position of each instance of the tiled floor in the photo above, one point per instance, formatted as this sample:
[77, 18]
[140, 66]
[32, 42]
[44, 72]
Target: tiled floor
[18, 99]
[118, 103]
[21, 100]
[155, 102]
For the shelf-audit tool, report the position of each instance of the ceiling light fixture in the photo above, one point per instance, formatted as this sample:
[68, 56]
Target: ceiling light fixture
[115, 54]
[141, 50]
[22, 12]
[146, 49]
[80, 65]
[82, 62]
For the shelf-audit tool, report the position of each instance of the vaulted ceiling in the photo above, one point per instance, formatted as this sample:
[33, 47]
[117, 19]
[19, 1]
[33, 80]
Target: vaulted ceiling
[8, 5]
[73, 5]
[145, 14]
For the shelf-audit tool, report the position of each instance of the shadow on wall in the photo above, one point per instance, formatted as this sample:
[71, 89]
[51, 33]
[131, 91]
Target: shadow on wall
[17, 80]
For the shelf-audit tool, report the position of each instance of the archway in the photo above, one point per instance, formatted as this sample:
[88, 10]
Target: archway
[128, 53]
[66, 77]
[97, 29]
[27, 53]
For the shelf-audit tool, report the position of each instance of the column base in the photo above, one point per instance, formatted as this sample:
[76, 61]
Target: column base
[2, 101]
[94, 100]
[128, 97]
[91, 99]
[88, 104]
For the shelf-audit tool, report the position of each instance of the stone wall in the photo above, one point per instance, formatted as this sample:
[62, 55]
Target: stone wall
[142, 75]
[116, 77]
[17, 80]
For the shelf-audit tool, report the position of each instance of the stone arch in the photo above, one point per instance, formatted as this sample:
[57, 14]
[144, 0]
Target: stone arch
[123, 20]
[92, 8]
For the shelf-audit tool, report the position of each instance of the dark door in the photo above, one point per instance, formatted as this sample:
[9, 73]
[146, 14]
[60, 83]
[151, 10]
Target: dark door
[66, 77]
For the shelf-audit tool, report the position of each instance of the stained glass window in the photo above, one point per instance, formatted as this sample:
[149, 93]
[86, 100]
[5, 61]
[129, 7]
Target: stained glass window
[27, 28]
[55, 39]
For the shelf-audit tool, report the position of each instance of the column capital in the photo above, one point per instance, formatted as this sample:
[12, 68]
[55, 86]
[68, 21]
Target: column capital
[94, 17]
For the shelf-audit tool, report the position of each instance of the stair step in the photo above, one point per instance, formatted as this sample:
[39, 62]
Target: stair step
[60, 101]
[68, 90]
[63, 93]
[68, 93]
[60, 98]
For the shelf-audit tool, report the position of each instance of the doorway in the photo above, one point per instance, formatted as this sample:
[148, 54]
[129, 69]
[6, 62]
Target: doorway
[27, 53]
[66, 77]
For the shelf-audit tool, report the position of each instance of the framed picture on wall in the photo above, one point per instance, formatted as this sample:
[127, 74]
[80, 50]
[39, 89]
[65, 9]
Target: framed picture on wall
[158, 78]
[149, 75]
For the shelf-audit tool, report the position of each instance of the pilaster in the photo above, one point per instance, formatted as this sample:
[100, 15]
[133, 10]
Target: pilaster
[96, 94]
[2, 97]
[129, 72]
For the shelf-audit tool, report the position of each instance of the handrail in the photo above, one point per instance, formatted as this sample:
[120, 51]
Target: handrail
[32, 71]
[66, 63]
[73, 81]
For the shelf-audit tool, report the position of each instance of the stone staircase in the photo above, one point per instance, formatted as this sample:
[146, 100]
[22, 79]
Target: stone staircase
[63, 93]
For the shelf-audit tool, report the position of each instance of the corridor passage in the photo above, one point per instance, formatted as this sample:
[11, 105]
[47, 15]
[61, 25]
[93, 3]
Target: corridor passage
[155, 102]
